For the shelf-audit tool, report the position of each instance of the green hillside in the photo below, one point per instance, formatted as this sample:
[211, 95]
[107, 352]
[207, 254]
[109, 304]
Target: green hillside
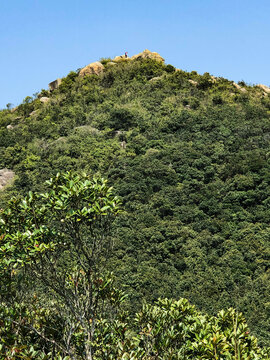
[187, 154]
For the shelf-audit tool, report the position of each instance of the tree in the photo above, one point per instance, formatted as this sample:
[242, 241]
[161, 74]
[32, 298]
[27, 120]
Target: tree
[9, 106]
[54, 248]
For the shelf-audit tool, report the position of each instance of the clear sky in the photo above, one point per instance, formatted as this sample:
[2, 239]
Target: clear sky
[42, 40]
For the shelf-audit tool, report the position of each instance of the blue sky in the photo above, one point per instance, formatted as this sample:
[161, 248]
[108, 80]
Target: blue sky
[43, 40]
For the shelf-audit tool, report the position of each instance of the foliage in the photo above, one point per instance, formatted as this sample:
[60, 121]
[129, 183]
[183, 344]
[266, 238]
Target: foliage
[60, 239]
[176, 330]
[188, 155]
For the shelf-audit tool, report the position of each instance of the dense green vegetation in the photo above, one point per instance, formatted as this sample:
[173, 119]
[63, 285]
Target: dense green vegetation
[188, 156]
[58, 300]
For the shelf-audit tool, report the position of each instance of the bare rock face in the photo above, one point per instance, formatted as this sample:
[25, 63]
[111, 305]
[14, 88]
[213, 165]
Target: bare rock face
[265, 88]
[147, 54]
[95, 68]
[55, 84]
[6, 177]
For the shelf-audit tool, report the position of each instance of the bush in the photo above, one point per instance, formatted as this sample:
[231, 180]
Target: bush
[170, 69]
[217, 100]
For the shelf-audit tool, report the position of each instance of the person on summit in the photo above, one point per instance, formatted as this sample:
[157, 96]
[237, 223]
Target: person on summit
[126, 54]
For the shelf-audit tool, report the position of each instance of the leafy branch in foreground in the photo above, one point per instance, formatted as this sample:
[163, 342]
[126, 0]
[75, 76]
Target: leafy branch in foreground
[56, 244]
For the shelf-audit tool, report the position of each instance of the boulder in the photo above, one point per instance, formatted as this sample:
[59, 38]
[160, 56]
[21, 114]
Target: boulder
[265, 88]
[6, 177]
[147, 54]
[10, 127]
[238, 87]
[94, 68]
[55, 84]
[193, 82]
[44, 99]
[156, 78]
[121, 58]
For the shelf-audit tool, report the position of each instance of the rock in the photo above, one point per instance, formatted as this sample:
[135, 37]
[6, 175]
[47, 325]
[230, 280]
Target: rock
[156, 78]
[55, 84]
[239, 87]
[94, 68]
[44, 99]
[110, 63]
[193, 82]
[6, 177]
[123, 144]
[10, 127]
[119, 132]
[265, 88]
[121, 58]
[147, 54]
[33, 113]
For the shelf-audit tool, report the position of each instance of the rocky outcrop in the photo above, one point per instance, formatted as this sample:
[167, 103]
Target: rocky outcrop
[265, 88]
[6, 177]
[55, 84]
[97, 67]
[94, 68]
[147, 54]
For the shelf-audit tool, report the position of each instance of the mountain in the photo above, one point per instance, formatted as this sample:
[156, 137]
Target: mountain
[188, 155]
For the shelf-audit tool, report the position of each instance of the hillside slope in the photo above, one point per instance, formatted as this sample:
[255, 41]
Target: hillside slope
[189, 156]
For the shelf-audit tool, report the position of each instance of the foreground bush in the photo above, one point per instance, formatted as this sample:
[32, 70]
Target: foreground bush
[171, 330]
[59, 301]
